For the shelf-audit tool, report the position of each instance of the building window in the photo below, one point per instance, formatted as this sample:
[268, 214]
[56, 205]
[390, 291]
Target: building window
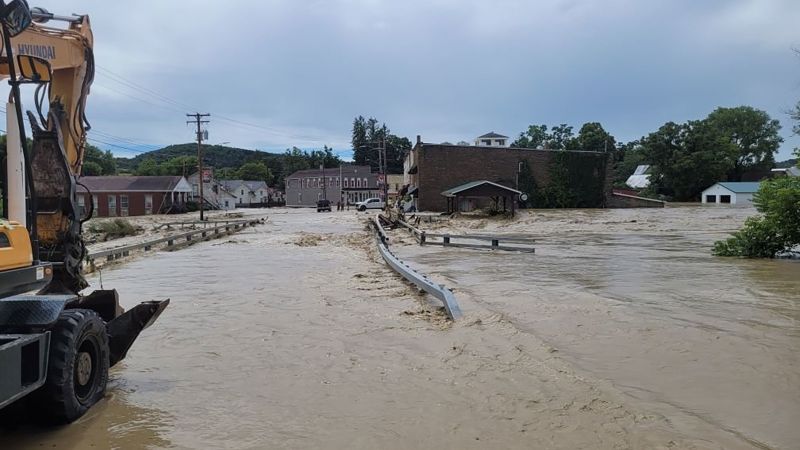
[96, 204]
[112, 206]
[365, 183]
[148, 204]
[711, 199]
[242, 192]
[344, 183]
[123, 205]
[195, 189]
[724, 198]
[81, 205]
[226, 203]
[487, 142]
[501, 142]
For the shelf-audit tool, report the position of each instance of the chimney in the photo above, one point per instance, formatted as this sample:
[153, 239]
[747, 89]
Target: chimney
[419, 139]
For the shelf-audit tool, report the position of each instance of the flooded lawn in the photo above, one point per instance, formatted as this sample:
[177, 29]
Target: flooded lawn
[295, 335]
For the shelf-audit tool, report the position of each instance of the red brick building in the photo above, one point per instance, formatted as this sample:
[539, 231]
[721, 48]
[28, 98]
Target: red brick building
[120, 196]
[431, 169]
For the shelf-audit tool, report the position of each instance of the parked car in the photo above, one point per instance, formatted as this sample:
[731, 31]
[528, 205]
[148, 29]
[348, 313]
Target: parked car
[370, 203]
[323, 205]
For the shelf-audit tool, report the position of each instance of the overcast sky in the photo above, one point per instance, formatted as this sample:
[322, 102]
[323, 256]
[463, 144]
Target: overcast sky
[448, 70]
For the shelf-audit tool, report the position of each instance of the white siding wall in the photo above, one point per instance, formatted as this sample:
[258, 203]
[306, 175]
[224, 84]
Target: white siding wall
[741, 199]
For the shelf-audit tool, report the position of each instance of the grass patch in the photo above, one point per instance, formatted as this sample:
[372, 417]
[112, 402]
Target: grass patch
[113, 229]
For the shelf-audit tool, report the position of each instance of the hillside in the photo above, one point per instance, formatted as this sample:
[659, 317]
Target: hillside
[787, 163]
[216, 156]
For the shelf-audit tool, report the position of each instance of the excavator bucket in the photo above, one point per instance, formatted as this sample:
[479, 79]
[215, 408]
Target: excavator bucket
[123, 327]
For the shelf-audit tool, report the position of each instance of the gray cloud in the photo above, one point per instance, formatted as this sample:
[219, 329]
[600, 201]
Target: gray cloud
[445, 69]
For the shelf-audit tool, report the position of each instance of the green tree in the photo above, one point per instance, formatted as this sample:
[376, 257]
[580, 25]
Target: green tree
[592, 137]
[560, 137]
[777, 230]
[100, 162]
[368, 136]
[685, 159]
[179, 165]
[535, 137]
[754, 136]
[255, 171]
[294, 160]
[148, 166]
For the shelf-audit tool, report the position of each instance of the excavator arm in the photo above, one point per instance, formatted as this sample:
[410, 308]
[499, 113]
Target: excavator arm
[59, 138]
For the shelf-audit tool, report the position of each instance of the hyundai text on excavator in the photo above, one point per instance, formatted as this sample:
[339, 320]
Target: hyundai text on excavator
[56, 344]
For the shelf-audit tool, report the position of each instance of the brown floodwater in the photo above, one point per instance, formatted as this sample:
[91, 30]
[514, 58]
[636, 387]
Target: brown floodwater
[295, 335]
[636, 298]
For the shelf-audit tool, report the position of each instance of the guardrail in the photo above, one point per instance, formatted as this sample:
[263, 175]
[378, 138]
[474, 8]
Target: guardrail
[189, 237]
[439, 291]
[204, 223]
[424, 238]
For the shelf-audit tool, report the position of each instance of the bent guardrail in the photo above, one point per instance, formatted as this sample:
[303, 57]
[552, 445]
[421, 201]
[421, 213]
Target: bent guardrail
[440, 292]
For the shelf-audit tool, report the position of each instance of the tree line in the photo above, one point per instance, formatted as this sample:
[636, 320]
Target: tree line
[729, 144]
[368, 136]
[257, 166]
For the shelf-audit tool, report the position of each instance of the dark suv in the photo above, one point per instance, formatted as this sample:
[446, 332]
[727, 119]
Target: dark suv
[323, 205]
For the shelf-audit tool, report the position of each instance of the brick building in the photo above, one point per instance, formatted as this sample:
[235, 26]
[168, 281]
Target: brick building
[346, 183]
[431, 169]
[120, 196]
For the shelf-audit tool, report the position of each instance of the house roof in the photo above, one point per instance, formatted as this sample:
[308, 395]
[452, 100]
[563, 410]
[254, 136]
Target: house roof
[452, 192]
[740, 187]
[492, 135]
[331, 171]
[132, 183]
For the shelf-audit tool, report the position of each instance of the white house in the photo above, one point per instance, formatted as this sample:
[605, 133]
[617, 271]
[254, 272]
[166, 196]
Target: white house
[213, 192]
[492, 140]
[733, 193]
[247, 193]
[640, 178]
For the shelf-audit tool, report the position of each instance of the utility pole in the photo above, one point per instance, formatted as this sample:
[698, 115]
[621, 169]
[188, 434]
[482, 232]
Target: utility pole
[385, 175]
[324, 185]
[198, 121]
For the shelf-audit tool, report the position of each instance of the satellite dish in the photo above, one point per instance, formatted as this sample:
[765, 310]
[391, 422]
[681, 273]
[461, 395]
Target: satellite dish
[524, 197]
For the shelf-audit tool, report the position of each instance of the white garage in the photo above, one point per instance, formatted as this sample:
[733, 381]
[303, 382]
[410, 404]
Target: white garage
[731, 193]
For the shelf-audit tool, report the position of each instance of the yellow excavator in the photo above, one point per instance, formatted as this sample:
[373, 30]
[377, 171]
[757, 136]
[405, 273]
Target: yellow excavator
[56, 343]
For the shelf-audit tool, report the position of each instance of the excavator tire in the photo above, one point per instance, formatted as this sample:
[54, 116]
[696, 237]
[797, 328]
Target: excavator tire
[77, 371]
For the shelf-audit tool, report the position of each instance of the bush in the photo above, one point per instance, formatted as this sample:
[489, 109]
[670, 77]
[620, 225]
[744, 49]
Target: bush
[778, 230]
[113, 229]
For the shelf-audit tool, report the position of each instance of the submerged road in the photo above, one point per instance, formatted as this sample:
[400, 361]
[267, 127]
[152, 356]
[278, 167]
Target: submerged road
[295, 335]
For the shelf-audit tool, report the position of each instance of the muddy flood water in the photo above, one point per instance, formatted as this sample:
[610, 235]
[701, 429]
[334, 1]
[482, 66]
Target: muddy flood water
[620, 332]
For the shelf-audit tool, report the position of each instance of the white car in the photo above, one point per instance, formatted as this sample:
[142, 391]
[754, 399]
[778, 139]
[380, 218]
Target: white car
[370, 203]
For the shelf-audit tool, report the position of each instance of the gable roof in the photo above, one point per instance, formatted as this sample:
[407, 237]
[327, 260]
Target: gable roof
[345, 169]
[254, 185]
[452, 192]
[740, 187]
[132, 183]
[492, 135]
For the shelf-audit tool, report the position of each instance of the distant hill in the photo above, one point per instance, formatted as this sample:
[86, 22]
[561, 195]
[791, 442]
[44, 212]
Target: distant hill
[787, 163]
[216, 156]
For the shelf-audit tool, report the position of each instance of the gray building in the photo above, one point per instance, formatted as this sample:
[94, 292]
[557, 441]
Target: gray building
[344, 183]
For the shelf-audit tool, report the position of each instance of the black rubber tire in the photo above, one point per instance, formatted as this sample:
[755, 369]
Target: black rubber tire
[362, 208]
[66, 395]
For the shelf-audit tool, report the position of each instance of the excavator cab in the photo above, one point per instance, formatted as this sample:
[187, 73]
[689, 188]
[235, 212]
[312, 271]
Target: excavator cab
[54, 339]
